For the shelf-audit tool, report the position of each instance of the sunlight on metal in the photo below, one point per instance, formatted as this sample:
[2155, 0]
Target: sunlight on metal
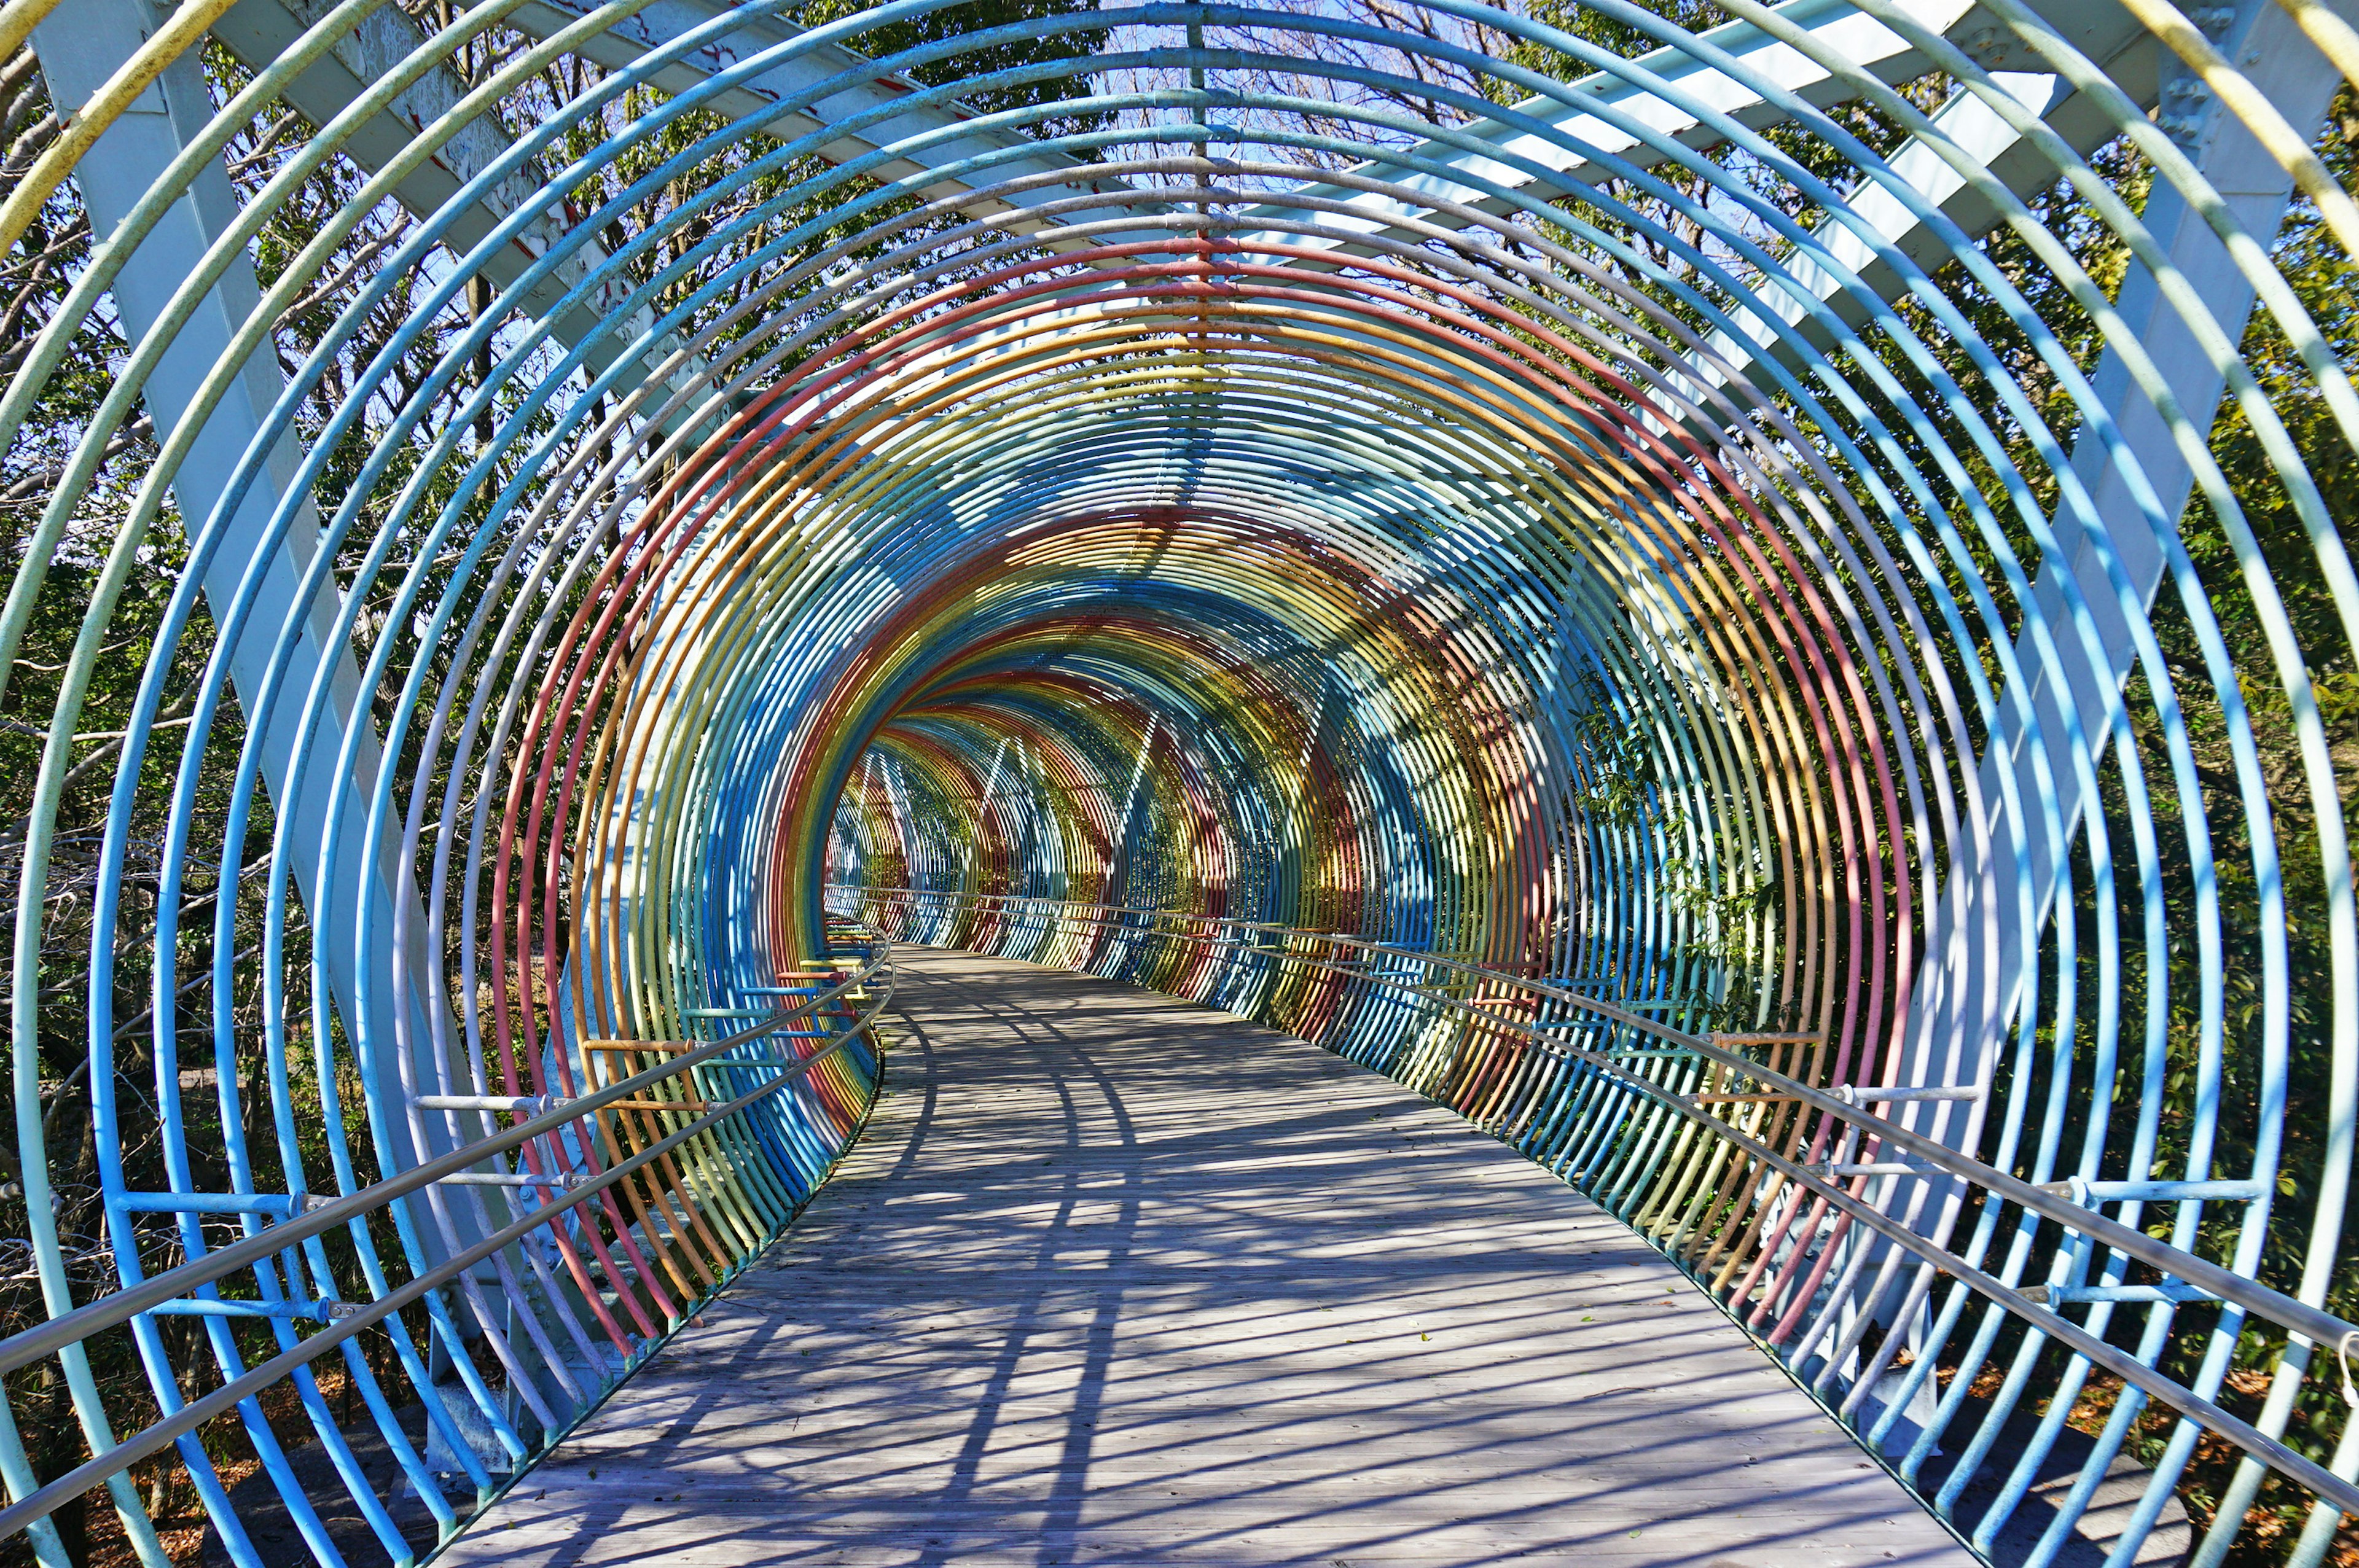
[1609, 601]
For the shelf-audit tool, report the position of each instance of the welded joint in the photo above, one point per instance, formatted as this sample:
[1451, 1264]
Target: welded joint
[2176, 1293]
[2090, 1194]
[518, 1105]
[1835, 1170]
[268, 1204]
[565, 1182]
[1866, 1093]
[324, 1309]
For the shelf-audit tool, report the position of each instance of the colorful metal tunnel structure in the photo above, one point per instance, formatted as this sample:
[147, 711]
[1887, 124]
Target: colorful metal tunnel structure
[1753, 598]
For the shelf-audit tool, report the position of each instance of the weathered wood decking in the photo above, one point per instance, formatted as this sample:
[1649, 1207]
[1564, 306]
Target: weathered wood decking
[1112, 1279]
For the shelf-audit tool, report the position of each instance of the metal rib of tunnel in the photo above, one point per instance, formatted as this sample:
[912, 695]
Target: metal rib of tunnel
[1750, 597]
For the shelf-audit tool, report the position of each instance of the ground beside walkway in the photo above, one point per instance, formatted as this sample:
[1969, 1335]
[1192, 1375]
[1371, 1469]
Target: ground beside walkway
[1112, 1279]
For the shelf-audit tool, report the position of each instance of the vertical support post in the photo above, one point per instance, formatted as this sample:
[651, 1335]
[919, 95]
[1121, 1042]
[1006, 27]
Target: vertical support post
[78, 47]
[1948, 1004]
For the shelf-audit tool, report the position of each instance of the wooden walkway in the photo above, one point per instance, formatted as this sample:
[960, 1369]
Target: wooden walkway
[1113, 1279]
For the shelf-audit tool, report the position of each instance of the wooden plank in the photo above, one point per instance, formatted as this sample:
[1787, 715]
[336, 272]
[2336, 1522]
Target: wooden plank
[1115, 1278]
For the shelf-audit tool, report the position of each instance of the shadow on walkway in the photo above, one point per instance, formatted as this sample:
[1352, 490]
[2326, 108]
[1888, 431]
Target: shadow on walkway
[1116, 1279]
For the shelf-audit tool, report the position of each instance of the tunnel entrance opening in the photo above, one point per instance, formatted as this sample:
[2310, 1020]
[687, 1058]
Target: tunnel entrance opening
[1751, 598]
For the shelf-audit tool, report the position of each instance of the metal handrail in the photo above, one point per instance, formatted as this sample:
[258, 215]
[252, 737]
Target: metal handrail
[118, 1307]
[2237, 1291]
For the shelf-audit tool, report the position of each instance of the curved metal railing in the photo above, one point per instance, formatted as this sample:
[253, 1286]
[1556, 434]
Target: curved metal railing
[626, 1166]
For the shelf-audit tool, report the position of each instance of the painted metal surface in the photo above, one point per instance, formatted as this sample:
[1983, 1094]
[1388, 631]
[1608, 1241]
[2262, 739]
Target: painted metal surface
[1617, 550]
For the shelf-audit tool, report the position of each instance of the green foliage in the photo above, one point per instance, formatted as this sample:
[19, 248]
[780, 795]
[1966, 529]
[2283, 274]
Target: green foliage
[1060, 50]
